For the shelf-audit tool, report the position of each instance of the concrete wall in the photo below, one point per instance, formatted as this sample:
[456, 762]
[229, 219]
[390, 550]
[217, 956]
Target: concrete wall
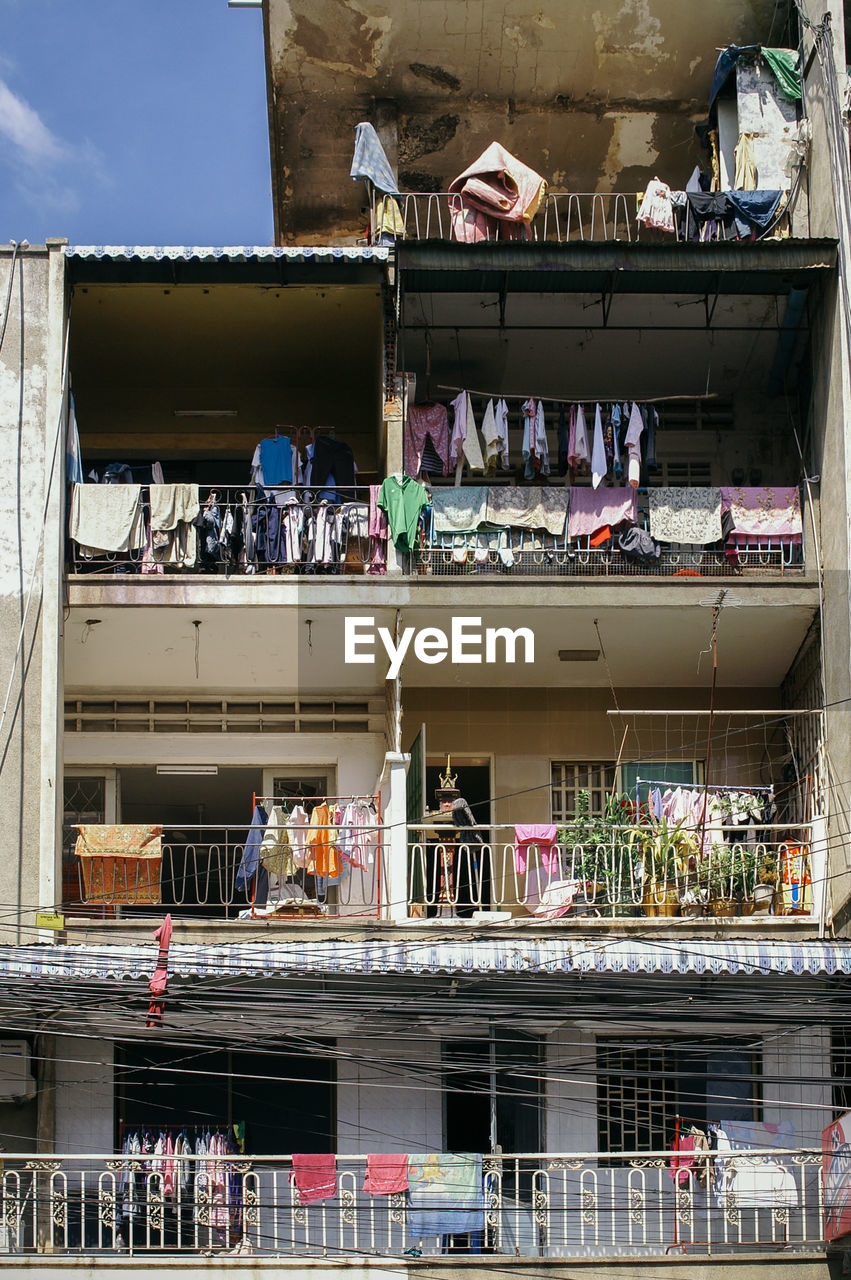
[84, 1096]
[32, 460]
[381, 1104]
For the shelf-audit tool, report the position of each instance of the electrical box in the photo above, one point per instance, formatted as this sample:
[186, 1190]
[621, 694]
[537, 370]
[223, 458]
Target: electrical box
[16, 1078]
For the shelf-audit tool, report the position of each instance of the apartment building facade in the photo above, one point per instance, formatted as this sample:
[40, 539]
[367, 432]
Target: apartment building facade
[494, 836]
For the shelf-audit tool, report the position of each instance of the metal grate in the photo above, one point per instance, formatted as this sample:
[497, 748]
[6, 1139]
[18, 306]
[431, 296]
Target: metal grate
[636, 1096]
[179, 715]
[569, 776]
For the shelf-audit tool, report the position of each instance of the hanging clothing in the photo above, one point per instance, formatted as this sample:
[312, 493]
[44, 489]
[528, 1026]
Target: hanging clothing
[532, 507]
[580, 453]
[107, 518]
[276, 460]
[490, 435]
[760, 513]
[174, 509]
[501, 419]
[495, 198]
[465, 440]
[377, 535]
[403, 501]
[426, 420]
[333, 463]
[251, 849]
[315, 1177]
[632, 440]
[599, 467]
[386, 1175]
[592, 509]
[542, 448]
[563, 439]
[543, 836]
[323, 856]
[358, 835]
[685, 515]
[459, 509]
[656, 209]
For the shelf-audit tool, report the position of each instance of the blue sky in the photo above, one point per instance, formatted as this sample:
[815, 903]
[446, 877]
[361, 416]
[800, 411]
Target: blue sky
[133, 122]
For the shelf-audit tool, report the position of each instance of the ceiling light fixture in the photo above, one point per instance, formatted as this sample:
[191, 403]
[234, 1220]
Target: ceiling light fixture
[205, 413]
[578, 655]
[188, 770]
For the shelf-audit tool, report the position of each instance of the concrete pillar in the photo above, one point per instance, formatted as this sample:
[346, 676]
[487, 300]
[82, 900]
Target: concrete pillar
[395, 903]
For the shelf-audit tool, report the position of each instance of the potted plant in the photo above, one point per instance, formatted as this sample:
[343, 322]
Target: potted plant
[667, 850]
[596, 854]
[766, 880]
[720, 877]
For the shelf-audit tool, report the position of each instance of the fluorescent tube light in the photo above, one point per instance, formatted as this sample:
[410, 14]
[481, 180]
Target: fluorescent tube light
[205, 413]
[578, 655]
[187, 770]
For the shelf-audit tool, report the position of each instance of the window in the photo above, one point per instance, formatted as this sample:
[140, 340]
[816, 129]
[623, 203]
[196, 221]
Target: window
[674, 773]
[643, 1087]
[507, 1104]
[570, 776]
[840, 1069]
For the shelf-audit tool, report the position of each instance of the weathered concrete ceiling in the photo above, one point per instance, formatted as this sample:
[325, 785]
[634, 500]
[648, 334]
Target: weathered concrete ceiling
[596, 96]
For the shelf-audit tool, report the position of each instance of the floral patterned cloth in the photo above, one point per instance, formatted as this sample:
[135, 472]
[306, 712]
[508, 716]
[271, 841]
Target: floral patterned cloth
[532, 508]
[457, 510]
[121, 863]
[685, 515]
[763, 513]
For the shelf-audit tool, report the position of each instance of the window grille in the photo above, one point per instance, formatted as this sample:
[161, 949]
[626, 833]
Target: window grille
[840, 1069]
[219, 715]
[570, 776]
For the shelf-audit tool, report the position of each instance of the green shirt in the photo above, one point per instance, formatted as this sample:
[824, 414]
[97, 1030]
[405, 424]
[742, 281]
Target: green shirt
[403, 500]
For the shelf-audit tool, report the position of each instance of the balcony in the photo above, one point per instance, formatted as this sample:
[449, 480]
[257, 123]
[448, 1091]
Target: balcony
[555, 1205]
[647, 871]
[195, 874]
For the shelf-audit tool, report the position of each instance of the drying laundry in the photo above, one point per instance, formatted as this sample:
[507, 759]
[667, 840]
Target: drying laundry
[496, 197]
[174, 509]
[464, 441]
[459, 509]
[760, 513]
[528, 508]
[426, 421]
[315, 1177]
[593, 509]
[107, 518]
[445, 1195]
[403, 500]
[656, 209]
[685, 515]
[386, 1175]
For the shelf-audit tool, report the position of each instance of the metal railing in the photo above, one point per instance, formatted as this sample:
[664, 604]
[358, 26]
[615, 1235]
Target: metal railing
[197, 874]
[563, 217]
[288, 529]
[721, 872]
[551, 1205]
[537, 553]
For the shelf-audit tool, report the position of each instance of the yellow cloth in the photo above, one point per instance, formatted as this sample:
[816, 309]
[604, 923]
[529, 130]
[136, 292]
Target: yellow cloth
[323, 856]
[746, 174]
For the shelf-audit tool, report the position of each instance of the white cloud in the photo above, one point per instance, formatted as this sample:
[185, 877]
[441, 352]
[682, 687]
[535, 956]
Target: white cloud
[25, 128]
[48, 172]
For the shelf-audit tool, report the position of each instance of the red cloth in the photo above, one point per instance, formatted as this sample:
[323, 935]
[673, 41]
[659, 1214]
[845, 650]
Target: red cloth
[682, 1161]
[315, 1177]
[386, 1175]
[159, 981]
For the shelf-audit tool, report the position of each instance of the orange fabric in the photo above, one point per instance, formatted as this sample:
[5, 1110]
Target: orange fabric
[323, 858]
[121, 863]
[601, 536]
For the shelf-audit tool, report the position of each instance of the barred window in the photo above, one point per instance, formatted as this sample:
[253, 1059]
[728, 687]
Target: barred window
[569, 776]
[644, 1087]
[840, 1069]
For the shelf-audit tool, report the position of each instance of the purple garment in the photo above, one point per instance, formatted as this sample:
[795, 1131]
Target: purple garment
[593, 509]
[377, 534]
[426, 419]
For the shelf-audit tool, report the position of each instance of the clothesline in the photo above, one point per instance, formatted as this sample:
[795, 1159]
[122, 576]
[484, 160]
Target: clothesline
[666, 782]
[571, 399]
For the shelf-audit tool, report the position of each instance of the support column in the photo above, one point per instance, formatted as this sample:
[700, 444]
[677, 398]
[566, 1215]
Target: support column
[395, 898]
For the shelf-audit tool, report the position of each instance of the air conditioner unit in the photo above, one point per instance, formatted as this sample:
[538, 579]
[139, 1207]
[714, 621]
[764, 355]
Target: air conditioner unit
[16, 1078]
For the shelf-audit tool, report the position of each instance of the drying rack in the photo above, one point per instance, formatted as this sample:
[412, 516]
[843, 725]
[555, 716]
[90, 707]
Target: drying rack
[374, 800]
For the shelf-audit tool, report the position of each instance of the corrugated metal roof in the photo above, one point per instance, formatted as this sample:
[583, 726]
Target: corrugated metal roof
[510, 955]
[234, 253]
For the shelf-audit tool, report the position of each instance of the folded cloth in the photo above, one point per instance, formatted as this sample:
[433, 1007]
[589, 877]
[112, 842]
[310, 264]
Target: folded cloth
[591, 509]
[763, 513]
[685, 515]
[556, 899]
[107, 517]
[656, 209]
[370, 162]
[315, 1177]
[173, 503]
[543, 835]
[532, 508]
[445, 1195]
[501, 186]
[386, 1175]
[456, 510]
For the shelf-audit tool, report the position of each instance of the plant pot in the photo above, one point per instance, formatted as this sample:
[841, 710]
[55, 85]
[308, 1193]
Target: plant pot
[723, 907]
[746, 906]
[763, 896]
[664, 903]
[691, 909]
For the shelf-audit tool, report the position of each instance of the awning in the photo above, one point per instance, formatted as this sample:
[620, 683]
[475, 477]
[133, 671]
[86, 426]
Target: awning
[235, 253]
[510, 955]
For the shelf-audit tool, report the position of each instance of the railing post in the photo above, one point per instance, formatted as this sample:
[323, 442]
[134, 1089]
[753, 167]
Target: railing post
[394, 904]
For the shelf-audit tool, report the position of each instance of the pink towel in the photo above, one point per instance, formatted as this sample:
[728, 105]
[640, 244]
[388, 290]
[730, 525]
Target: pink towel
[682, 1161]
[315, 1177]
[541, 834]
[386, 1175]
[763, 513]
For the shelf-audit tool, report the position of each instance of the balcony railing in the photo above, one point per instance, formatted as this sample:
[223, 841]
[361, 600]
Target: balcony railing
[565, 216]
[554, 1205]
[242, 530]
[537, 553]
[194, 874]
[720, 873]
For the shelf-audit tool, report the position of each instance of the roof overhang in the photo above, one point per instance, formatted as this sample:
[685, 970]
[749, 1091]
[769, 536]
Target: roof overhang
[235, 264]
